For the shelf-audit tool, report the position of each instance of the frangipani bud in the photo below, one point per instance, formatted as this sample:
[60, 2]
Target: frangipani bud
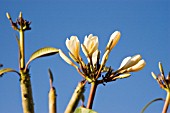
[73, 46]
[125, 60]
[66, 59]
[114, 38]
[125, 75]
[140, 65]
[130, 61]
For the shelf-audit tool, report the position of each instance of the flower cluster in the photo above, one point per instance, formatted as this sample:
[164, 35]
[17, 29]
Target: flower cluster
[93, 69]
[162, 81]
[24, 24]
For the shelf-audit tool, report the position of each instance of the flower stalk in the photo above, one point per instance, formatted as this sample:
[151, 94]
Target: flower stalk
[92, 94]
[25, 82]
[167, 102]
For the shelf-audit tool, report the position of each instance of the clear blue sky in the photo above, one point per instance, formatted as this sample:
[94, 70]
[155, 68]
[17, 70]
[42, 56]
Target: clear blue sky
[145, 28]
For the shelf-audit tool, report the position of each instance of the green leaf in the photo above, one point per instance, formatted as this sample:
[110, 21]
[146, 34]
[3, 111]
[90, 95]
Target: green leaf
[43, 52]
[5, 70]
[84, 110]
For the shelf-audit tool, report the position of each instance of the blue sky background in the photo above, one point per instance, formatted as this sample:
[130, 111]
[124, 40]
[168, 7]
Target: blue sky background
[145, 28]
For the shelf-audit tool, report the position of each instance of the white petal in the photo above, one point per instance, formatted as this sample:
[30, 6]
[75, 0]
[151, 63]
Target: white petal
[73, 46]
[84, 49]
[94, 57]
[134, 60]
[94, 45]
[125, 60]
[104, 58]
[140, 65]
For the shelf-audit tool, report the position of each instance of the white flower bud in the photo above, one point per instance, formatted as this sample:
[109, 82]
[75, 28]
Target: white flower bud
[140, 65]
[114, 38]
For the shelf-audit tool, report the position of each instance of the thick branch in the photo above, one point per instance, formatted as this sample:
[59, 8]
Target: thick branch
[26, 93]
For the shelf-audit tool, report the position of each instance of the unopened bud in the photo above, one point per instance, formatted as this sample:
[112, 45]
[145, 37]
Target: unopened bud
[114, 38]
[131, 62]
[20, 15]
[140, 65]
[125, 75]
[105, 57]
[153, 75]
[161, 68]
[8, 16]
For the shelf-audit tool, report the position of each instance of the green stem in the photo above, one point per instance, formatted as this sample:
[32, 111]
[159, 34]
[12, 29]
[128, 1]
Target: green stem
[92, 95]
[22, 50]
[167, 101]
[26, 93]
[25, 83]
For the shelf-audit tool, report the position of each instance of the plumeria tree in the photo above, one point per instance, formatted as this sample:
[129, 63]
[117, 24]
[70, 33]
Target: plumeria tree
[94, 71]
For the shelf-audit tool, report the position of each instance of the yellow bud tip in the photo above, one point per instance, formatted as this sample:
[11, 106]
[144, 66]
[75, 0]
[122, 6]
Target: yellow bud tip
[20, 15]
[161, 68]
[8, 16]
[153, 75]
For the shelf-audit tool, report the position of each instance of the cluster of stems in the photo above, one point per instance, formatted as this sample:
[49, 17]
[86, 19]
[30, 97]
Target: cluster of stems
[164, 83]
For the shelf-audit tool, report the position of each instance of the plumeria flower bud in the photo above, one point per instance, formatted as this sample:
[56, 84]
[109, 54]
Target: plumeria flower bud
[66, 59]
[140, 65]
[114, 38]
[130, 61]
[73, 46]
[105, 57]
[124, 75]
[90, 45]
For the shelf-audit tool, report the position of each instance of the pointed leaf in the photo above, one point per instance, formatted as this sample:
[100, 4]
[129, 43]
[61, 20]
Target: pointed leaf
[84, 110]
[5, 70]
[43, 52]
